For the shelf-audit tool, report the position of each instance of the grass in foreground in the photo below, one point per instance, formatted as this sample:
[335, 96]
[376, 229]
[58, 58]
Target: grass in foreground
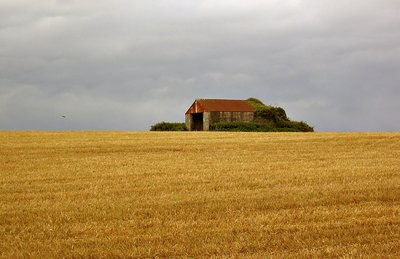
[199, 194]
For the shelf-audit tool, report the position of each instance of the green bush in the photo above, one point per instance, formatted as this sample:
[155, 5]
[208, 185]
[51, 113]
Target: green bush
[169, 126]
[267, 113]
[255, 103]
[277, 117]
[292, 126]
[300, 126]
[245, 126]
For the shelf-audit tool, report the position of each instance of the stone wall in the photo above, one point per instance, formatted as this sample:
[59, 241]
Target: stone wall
[231, 117]
[189, 121]
[213, 117]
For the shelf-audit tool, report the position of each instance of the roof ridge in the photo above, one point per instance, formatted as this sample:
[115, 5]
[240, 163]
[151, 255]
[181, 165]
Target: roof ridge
[217, 99]
[228, 105]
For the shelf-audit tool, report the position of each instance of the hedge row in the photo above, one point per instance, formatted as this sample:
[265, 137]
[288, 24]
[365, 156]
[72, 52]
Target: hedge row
[169, 126]
[253, 127]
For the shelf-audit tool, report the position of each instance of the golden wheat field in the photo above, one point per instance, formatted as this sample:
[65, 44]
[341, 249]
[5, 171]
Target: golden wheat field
[199, 194]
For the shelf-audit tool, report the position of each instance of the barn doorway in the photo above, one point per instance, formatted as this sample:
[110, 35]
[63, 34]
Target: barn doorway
[197, 121]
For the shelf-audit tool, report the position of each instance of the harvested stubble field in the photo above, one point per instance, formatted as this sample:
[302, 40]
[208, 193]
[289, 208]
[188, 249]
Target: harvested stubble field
[151, 194]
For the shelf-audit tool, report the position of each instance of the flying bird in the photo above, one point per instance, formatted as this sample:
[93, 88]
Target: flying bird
[63, 116]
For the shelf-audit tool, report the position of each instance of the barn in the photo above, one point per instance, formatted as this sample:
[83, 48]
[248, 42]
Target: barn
[203, 112]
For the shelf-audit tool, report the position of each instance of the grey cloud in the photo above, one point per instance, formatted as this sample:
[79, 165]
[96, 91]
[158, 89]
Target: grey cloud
[128, 64]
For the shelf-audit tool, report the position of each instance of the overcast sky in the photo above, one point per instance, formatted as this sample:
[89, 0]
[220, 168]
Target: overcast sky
[127, 64]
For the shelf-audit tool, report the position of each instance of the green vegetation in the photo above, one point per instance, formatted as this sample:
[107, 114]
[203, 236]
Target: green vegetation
[276, 118]
[266, 119]
[265, 113]
[169, 126]
[252, 127]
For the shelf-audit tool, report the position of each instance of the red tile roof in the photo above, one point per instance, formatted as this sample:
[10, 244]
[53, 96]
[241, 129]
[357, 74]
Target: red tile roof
[220, 105]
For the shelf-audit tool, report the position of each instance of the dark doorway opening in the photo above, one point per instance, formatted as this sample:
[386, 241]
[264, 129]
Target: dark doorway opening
[197, 121]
